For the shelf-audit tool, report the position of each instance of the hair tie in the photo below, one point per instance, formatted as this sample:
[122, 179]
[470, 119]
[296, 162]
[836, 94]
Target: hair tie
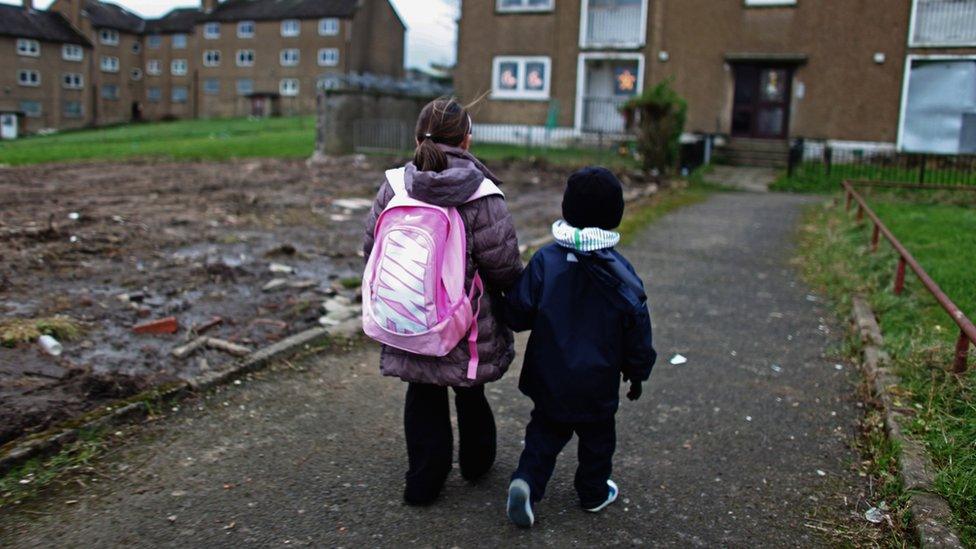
[427, 135]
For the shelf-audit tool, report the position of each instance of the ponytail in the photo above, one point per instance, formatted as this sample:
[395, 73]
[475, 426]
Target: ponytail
[442, 121]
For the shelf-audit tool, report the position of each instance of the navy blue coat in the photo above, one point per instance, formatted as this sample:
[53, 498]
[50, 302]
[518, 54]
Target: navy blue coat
[590, 324]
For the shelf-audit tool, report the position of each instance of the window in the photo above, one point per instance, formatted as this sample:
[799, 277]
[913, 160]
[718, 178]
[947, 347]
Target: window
[177, 67]
[153, 67]
[211, 31]
[136, 47]
[154, 41]
[72, 109]
[27, 77]
[245, 58]
[524, 5]
[31, 108]
[110, 91]
[180, 94]
[939, 107]
[154, 94]
[179, 41]
[329, 26]
[30, 48]
[211, 58]
[71, 52]
[520, 78]
[72, 81]
[135, 74]
[291, 27]
[945, 23]
[289, 57]
[245, 86]
[109, 37]
[328, 57]
[109, 64]
[211, 86]
[770, 2]
[288, 87]
[245, 29]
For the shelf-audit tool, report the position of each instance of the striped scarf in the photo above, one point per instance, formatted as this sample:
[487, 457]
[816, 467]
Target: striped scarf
[583, 240]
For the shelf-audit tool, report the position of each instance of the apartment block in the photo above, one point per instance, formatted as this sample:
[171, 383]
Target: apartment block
[866, 74]
[231, 58]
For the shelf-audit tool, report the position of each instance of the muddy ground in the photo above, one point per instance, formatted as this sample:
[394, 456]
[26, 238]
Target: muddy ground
[116, 244]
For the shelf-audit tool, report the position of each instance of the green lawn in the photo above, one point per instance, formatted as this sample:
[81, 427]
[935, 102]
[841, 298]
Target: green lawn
[810, 177]
[919, 335]
[182, 140]
[221, 139]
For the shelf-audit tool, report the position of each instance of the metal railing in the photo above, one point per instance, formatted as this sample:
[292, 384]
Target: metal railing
[602, 114]
[967, 331]
[812, 160]
[944, 23]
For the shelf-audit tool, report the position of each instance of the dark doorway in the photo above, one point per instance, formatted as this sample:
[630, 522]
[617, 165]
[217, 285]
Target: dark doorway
[136, 111]
[761, 108]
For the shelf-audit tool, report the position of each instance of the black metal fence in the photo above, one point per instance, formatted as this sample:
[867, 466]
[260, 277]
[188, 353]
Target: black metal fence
[821, 162]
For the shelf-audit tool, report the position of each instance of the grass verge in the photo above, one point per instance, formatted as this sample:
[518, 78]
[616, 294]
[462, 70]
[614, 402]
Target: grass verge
[814, 177]
[919, 335]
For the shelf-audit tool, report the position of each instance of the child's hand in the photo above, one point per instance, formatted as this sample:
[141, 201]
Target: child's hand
[635, 390]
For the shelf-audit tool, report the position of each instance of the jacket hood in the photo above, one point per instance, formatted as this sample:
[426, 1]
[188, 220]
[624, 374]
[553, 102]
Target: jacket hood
[451, 187]
[583, 240]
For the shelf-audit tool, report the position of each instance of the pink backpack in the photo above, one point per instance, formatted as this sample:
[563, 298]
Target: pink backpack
[413, 287]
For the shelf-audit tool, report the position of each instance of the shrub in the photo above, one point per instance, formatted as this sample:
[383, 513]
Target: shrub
[658, 115]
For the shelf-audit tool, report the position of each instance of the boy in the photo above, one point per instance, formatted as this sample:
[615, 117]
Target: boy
[590, 325]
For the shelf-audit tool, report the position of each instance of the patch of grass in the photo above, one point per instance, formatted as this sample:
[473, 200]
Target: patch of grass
[14, 331]
[919, 335]
[27, 480]
[812, 177]
[646, 211]
[350, 282]
[220, 139]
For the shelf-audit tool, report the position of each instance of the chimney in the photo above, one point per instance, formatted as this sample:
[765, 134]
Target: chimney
[208, 5]
[28, 5]
[73, 12]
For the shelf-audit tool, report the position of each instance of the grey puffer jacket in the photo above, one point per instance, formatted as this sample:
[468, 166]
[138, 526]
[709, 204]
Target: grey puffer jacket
[492, 249]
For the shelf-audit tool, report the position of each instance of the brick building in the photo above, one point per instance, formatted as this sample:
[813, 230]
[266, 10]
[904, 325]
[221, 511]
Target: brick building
[771, 70]
[231, 58]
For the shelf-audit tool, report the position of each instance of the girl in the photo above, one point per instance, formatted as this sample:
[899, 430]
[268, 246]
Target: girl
[444, 173]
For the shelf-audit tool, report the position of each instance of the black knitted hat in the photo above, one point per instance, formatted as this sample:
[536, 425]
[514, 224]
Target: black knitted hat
[594, 197]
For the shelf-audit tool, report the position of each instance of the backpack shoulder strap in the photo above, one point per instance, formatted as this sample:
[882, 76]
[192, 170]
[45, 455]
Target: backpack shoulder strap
[397, 183]
[487, 188]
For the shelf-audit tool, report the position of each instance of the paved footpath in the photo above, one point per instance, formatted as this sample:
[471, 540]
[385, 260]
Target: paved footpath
[745, 445]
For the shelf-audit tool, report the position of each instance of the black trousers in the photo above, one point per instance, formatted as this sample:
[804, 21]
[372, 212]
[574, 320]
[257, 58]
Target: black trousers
[430, 441]
[545, 438]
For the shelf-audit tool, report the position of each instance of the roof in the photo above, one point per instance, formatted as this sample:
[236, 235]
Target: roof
[111, 16]
[40, 25]
[177, 20]
[263, 10]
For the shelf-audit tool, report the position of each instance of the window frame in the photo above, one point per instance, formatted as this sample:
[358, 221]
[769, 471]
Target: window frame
[207, 34]
[66, 114]
[173, 64]
[186, 95]
[769, 3]
[108, 37]
[77, 83]
[298, 57]
[240, 28]
[525, 8]
[320, 58]
[156, 97]
[520, 93]
[240, 62]
[30, 82]
[237, 86]
[65, 48]
[206, 90]
[27, 113]
[298, 28]
[183, 42]
[111, 69]
[28, 47]
[282, 90]
[154, 41]
[912, 43]
[114, 97]
[154, 67]
[211, 62]
[325, 24]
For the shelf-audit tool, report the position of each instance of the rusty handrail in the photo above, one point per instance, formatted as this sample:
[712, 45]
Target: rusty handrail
[967, 331]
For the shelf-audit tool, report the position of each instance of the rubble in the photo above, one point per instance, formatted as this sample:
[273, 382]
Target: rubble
[168, 325]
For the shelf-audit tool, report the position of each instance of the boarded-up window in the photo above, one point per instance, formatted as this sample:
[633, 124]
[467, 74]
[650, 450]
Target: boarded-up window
[941, 102]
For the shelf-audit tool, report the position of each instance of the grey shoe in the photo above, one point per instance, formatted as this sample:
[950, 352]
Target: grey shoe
[519, 504]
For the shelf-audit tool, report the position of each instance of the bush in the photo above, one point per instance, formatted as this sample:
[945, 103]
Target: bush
[659, 117]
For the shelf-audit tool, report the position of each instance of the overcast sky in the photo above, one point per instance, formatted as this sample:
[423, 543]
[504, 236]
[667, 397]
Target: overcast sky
[431, 28]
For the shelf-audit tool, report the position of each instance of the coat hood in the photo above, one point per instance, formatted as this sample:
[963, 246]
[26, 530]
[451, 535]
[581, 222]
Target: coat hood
[451, 187]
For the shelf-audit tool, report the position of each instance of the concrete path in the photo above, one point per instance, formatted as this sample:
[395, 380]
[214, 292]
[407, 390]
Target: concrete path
[743, 178]
[745, 445]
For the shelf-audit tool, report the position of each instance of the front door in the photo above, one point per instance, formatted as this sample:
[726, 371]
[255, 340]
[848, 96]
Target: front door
[8, 126]
[257, 107]
[761, 107]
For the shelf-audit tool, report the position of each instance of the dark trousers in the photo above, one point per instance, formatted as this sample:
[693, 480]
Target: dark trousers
[430, 441]
[545, 438]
